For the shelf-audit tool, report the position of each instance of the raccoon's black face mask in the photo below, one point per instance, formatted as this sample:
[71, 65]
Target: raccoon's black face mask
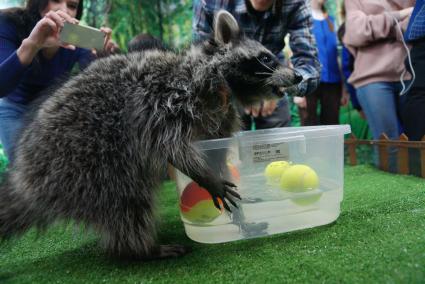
[252, 72]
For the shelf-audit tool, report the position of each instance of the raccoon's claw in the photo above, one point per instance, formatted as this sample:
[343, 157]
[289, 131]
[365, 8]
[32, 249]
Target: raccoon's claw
[231, 200]
[225, 194]
[230, 184]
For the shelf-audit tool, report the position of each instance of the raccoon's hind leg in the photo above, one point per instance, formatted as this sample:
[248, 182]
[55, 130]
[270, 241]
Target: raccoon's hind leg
[130, 231]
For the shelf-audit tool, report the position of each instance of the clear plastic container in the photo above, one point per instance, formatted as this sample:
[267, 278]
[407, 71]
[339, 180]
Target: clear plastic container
[266, 207]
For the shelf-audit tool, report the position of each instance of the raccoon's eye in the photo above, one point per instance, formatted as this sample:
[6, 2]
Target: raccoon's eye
[266, 59]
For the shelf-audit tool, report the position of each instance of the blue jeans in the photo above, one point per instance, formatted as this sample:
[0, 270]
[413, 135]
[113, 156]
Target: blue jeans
[381, 104]
[11, 122]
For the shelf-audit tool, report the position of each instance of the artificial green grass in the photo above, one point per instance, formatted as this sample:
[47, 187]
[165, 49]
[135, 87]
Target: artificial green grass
[378, 238]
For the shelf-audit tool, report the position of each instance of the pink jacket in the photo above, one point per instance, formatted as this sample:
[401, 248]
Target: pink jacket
[372, 37]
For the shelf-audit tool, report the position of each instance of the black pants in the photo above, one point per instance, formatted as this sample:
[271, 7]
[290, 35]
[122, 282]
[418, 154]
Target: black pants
[413, 110]
[413, 113]
[329, 95]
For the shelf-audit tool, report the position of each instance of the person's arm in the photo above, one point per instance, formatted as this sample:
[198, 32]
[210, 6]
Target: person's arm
[11, 68]
[347, 61]
[303, 46]
[346, 68]
[363, 29]
[345, 93]
[14, 59]
[202, 21]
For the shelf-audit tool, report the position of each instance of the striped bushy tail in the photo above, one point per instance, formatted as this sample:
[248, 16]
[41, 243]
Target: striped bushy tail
[16, 214]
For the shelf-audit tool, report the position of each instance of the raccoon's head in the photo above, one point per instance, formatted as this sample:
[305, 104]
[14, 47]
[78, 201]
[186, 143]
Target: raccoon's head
[252, 71]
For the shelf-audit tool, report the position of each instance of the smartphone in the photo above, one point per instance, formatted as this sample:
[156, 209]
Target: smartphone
[82, 36]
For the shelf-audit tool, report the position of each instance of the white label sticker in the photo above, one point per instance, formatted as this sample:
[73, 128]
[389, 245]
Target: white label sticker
[270, 152]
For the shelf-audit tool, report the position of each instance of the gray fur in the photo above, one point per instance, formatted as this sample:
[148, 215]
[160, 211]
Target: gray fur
[95, 149]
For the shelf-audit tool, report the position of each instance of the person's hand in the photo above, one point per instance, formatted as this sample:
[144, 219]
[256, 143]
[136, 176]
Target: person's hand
[405, 13]
[402, 14]
[46, 31]
[301, 102]
[264, 109]
[109, 46]
[404, 23]
[45, 34]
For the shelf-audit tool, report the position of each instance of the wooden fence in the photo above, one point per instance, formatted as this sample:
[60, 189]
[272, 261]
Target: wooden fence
[402, 144]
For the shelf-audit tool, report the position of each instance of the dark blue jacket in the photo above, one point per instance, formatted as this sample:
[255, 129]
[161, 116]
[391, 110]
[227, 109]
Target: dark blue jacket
[22, 84]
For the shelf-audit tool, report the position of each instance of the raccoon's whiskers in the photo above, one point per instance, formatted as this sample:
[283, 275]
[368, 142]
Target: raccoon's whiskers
[267, 67]
[263, 73]
[267, 82]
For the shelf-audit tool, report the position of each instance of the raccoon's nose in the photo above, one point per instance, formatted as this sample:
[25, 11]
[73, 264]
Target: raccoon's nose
[297, 78]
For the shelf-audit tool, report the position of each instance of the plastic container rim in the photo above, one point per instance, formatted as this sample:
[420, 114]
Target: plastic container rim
[275, 135]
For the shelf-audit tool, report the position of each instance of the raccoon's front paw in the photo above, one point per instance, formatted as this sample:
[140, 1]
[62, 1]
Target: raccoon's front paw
[223, 190]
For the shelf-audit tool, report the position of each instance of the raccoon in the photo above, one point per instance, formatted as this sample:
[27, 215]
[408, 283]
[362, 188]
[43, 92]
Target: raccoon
[96, 148]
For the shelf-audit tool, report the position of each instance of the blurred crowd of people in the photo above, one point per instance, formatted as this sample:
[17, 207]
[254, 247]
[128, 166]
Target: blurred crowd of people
[378, 67]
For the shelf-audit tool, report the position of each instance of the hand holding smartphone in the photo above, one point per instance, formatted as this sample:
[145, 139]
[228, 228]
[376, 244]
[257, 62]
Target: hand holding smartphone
[82, 36]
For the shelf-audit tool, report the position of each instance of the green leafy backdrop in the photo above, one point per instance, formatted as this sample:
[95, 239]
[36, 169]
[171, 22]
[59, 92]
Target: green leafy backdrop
[169, 20]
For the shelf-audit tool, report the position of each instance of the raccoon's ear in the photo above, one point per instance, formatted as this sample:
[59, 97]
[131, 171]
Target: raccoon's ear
[226, 29]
